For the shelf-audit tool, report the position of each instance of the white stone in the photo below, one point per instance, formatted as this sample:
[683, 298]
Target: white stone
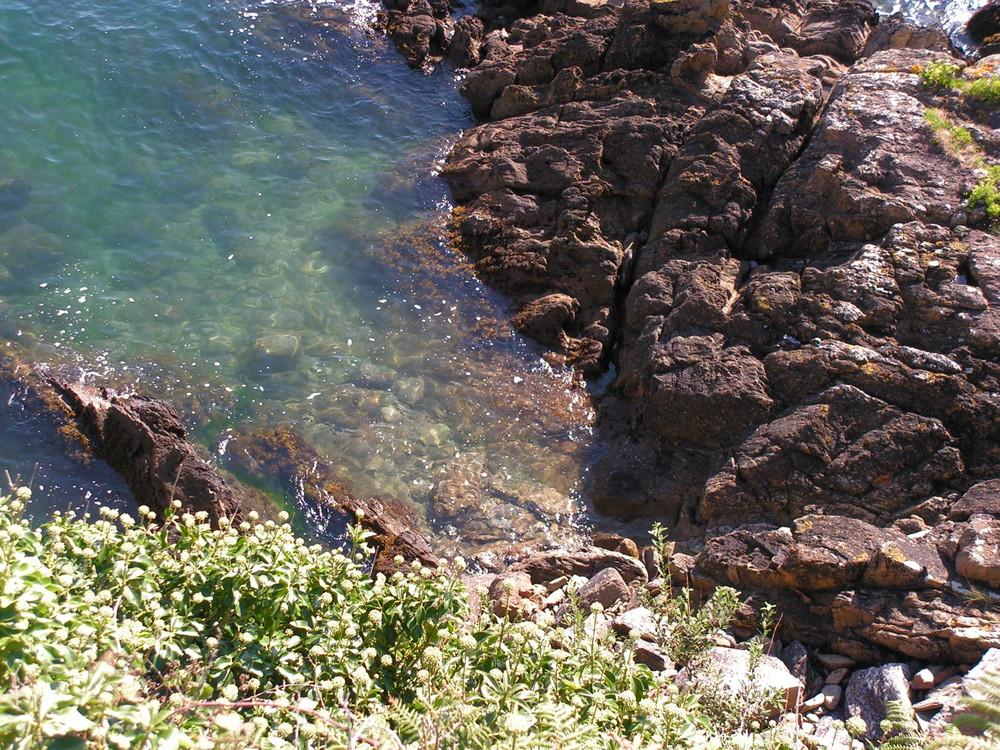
[831, 696]
[733, 668]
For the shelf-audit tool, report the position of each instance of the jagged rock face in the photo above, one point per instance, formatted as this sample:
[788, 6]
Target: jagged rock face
[742, 204]
[554, 201]
[820, 27]
[869, 165]
[142, 438]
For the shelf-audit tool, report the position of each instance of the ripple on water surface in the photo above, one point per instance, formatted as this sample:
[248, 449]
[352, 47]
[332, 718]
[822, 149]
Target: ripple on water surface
[232, 205]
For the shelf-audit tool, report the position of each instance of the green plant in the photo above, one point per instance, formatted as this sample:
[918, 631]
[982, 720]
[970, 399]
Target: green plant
[940, 74]
[958, 141]
[118, 633]
[984, 89]
[955, 139]
[987, 193]
[900, 729]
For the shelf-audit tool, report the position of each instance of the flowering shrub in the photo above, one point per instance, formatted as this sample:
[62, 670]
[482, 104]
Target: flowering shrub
[125, 633]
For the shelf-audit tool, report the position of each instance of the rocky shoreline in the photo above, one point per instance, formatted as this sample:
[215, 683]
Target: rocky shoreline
[745, 208]
[752, 212]
[823, 680]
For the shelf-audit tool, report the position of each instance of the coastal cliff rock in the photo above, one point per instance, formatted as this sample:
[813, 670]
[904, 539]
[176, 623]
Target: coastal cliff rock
[758, 211]
[143, 440]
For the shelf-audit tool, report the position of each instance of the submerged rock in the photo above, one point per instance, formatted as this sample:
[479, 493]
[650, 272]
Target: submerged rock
[15, 194]
[284, 455]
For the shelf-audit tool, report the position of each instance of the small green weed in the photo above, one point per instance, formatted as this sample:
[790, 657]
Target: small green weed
[987, 193]
[955, 139]
[958, 142]
[940, 74]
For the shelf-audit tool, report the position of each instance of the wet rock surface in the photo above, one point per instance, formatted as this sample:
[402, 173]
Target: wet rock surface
[144, 441]
[745, 207]
[142, 438]
[325, 499]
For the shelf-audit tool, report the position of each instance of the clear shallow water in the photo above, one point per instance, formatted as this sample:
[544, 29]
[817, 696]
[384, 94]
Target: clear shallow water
[229, 205]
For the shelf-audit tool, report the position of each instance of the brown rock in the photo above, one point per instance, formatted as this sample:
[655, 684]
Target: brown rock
[648, 653]
[978, 558]
[853, 170]
[618, 543]
[836, 676]
[831, 696]
[513, 596]
[284, 454]
[843, 451]
[982, 498]
[954, 698]
[587, 563]
[545, 318]
[143, 440]
[930, 626]
[607, 588]
[984, 25]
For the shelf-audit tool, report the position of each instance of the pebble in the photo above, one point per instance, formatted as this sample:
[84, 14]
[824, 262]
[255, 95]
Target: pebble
[922, 680]
[556, 583]
[836, 676]
[813, 703]
[647, 653]
[930, 676]
[928, 704]
[835, 661]
[725, 640]
[831, 696]
[554, 598]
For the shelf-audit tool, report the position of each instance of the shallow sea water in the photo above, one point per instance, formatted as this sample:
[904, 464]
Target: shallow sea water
[231, 205]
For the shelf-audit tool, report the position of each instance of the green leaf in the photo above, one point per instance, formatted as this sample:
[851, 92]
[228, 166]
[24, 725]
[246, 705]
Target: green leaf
[66, 743]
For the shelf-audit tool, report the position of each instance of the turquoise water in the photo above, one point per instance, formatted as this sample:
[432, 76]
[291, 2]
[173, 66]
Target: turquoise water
[229, 204]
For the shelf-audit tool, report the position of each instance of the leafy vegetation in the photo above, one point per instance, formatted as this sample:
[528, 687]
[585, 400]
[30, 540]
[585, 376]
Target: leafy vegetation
[987, 192]
[118, 633]
[984, 89]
